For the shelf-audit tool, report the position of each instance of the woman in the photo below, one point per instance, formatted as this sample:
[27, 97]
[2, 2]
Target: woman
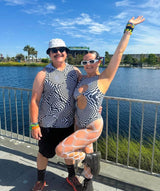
[89, 96]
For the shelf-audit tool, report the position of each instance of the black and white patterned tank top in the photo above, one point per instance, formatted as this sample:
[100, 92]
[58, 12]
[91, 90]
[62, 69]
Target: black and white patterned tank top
[57, 105]
[94, 99]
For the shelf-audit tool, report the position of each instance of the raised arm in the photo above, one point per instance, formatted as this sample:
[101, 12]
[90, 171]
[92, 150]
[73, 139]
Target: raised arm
[108, 74]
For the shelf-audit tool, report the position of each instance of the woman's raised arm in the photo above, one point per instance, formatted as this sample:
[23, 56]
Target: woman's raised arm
[109, 73]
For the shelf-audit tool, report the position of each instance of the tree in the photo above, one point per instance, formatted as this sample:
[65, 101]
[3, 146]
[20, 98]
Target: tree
[45, 60]
[142, 59]
[12, 59]
[70, 59]
[27, 48]
[35, 54]
[128, 59]
[152, 59]
[134, 61]
[19, 57]
[107, 57]
[31, 51]
[8, 58]
[78, 59]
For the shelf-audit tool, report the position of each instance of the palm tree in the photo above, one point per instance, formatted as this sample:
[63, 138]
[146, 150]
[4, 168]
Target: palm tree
[27, 48]
[31, 51]
[35, 54]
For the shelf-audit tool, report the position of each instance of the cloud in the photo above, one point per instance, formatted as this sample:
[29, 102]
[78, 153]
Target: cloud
[41, 9]
[83, 24]
[50, 7]
[15, 2]
[151, 4]
[122, 15]
[38, 8]
[123, 3]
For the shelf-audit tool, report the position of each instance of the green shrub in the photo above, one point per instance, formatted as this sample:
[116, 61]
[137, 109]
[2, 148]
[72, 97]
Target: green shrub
[134, 152]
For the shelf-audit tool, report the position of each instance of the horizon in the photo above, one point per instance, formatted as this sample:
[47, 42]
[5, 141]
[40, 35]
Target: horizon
[98, 25]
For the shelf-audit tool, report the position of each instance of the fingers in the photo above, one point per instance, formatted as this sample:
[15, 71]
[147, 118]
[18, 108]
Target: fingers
[138, 20]
[36, 134]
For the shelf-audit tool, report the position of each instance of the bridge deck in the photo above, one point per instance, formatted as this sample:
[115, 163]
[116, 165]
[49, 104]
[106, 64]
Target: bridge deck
[18, 172]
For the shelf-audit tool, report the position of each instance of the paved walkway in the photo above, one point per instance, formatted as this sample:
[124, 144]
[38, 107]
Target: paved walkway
[18, 171]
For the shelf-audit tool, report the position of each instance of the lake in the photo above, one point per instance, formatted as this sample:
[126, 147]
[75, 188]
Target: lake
[134, 83]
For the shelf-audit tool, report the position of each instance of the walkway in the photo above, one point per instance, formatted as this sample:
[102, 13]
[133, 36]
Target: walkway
[18, 172]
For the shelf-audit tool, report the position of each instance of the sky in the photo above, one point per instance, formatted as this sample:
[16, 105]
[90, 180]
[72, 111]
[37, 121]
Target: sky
[97, 24]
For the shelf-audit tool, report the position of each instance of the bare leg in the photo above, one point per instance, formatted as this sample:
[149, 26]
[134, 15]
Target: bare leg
[80, 142]
[72, 146]
[69, 161]
[41, 162]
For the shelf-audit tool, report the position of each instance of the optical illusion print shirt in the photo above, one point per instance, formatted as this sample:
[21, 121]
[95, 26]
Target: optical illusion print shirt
[57, 105]
[94, 100]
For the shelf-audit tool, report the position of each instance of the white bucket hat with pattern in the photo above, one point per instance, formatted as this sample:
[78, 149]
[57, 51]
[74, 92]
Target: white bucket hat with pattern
[55, 43]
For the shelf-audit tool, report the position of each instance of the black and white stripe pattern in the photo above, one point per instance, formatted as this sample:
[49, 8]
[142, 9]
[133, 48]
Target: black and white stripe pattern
[94, 100]
[57, 104]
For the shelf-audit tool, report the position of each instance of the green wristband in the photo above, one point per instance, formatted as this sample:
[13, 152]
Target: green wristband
[32, 125]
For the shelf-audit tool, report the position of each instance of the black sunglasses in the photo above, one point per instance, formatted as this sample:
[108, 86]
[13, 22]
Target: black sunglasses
[55, 50]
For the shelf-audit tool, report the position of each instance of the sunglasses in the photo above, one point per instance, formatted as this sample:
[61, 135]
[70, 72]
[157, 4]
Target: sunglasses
[55, 50]
[84, 62]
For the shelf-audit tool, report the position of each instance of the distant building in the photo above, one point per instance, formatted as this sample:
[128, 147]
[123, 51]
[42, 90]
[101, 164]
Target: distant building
[136, 55]
[78, 50]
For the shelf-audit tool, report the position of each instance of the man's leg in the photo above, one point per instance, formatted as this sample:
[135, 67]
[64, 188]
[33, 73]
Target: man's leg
[41, 166]
[41, 170]
[41, 161]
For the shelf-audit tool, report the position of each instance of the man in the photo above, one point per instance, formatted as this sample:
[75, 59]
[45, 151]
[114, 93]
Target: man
[52, 109]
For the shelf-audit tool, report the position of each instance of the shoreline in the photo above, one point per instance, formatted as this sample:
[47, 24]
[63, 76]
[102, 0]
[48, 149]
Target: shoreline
[19, 64]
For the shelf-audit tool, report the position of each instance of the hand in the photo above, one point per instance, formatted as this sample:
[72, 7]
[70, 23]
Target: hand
[36, 133]
[137, 21]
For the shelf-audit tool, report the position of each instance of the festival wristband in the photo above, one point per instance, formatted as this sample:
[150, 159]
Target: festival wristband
[129, 27]
[33, 126]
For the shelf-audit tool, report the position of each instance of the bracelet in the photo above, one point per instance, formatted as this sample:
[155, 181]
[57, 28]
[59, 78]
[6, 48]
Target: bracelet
[33, 126]
[129, 27]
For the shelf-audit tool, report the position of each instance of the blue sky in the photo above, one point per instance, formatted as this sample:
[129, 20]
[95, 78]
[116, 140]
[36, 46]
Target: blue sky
[97, 24]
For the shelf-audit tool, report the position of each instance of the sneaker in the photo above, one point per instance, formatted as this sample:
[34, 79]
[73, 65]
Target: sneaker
[74, 182]
[39, 186]
[93, 161]
[87, 185]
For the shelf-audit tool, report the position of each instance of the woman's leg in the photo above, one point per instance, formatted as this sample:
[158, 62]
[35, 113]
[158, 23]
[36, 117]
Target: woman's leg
[87, 171]
[72, 146]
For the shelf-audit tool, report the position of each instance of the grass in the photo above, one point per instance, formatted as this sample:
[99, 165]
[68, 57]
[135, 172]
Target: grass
[21, 64]
[134, 152]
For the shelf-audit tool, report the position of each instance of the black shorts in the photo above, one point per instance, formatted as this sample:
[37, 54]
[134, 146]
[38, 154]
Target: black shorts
[51, 137]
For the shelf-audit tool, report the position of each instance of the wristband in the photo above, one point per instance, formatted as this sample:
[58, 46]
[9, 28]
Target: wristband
[33, 126]
[129, 27]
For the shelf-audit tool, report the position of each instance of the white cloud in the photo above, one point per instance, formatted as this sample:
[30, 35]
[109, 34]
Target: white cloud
[122, 15]
[15, 2]
[151, 4]
[41, 9]
[123, 3]
[83, 24]
[97, 28]
[50, 7]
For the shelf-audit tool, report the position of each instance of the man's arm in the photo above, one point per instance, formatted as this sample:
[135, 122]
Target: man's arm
[34, 105]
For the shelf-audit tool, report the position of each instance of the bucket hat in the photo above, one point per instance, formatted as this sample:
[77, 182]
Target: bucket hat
[54, 43]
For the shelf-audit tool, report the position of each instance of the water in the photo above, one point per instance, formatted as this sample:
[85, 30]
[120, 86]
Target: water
[134, 83]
